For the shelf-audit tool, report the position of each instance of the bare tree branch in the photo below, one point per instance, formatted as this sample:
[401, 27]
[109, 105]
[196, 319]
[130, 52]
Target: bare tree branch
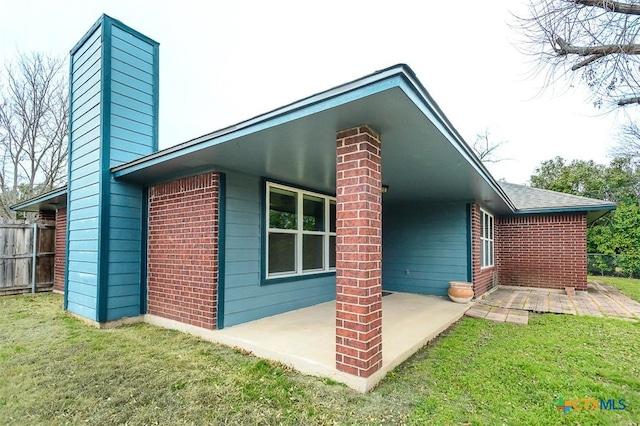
[33, 128]
[485, 149]
[595, 42]
[611, 6]
[628, 145]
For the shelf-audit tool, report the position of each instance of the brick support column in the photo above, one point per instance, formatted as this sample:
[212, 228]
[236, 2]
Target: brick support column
[60, 250]
[359, 252]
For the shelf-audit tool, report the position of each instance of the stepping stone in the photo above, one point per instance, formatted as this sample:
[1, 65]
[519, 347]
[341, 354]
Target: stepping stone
[477, 311]
[518, 318]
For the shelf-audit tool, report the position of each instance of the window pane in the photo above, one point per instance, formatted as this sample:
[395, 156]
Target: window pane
[490, 236]
[282, 253]
[312, 252]
[282, 209]
[332, 216]
[490, 260]
[484, 225]
[313, 208]
[485, 254]
[332, 252]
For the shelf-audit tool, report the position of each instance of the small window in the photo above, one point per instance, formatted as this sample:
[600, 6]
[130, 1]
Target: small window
[487, 232]
[301, 232]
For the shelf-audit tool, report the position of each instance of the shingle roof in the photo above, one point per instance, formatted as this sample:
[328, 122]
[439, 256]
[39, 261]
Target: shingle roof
[535, 200]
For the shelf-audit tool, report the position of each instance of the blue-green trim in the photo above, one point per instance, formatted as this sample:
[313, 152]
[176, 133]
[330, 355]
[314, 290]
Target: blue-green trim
[106, 18]
[33, 203]
[412, 87]
[263, 237]
[469, 243]
[306, 107]
[266, 180]
[580, 209]
[104, 175]
[222, 239]
[144, 223]
[65, 303]
[270, 281]
[156, 95]
[170, 177]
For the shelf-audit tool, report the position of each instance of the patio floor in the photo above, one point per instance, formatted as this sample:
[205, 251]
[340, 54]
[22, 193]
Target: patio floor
[513, 304]
[305, 339]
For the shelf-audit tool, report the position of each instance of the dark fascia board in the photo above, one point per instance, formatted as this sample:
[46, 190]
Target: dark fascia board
[593, 212]
[32, 203]
[604, 207]
[400, 70]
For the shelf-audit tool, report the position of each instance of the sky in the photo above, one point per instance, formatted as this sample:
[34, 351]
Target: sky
[222, 62]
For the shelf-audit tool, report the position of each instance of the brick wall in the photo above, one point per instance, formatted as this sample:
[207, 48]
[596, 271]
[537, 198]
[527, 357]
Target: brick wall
[60, 250]
[182, 278]
[46, 216]
[543, 251]
[358, 252]
[483, 278]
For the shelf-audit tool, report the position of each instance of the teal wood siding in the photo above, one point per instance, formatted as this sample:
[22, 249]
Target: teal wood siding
[114, 109]
[133, 134]
[133, 97]
[244, 298]
[125, 251]
[84, 176]
[424, 247]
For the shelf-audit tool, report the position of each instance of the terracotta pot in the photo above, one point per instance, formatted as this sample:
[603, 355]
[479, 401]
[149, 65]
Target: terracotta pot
[460, 291]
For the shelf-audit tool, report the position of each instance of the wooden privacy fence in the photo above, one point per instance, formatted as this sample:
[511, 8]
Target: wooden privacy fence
[18, 252]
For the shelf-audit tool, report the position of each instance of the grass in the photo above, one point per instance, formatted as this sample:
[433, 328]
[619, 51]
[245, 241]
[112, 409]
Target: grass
[55, 370]
[629, 286]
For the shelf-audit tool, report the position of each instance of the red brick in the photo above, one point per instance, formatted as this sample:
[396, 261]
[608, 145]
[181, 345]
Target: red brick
[60, 250]
[358, 248]
[182, 276]
[547, 251]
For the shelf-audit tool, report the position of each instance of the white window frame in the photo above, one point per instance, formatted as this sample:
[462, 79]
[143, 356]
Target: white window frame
[299, 232]
[487, 239]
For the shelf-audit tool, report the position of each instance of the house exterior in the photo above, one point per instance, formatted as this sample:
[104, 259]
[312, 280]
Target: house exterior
[362, 188]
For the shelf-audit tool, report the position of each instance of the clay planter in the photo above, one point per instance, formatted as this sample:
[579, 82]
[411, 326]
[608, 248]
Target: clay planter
[460, 291]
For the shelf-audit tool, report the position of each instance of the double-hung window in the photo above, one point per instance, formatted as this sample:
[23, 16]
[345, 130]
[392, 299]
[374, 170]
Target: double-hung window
[487, 231]
[301, 232]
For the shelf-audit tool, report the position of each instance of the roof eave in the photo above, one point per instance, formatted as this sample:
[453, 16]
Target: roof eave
[31, 204]
[210, 138]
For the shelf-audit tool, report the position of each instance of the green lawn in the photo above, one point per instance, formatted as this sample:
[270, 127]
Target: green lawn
[56, 370]
[628, 286]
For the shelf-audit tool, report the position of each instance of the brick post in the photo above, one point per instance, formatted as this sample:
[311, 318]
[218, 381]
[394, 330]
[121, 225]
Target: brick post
[60, 250]
[359, 252]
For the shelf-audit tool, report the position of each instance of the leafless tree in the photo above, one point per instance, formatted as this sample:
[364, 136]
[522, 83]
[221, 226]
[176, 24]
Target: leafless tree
[486, 149]
[33, 128]
[595, 41]
[628, 145]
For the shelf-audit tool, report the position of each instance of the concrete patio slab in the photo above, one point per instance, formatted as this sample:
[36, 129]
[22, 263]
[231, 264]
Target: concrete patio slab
[305, 339]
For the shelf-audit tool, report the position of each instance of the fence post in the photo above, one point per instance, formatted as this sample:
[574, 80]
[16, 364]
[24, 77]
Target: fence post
[35, 257]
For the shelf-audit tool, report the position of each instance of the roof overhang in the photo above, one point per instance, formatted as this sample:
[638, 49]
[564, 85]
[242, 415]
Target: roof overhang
[49, 201]
[423, 156]
[593, 212]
